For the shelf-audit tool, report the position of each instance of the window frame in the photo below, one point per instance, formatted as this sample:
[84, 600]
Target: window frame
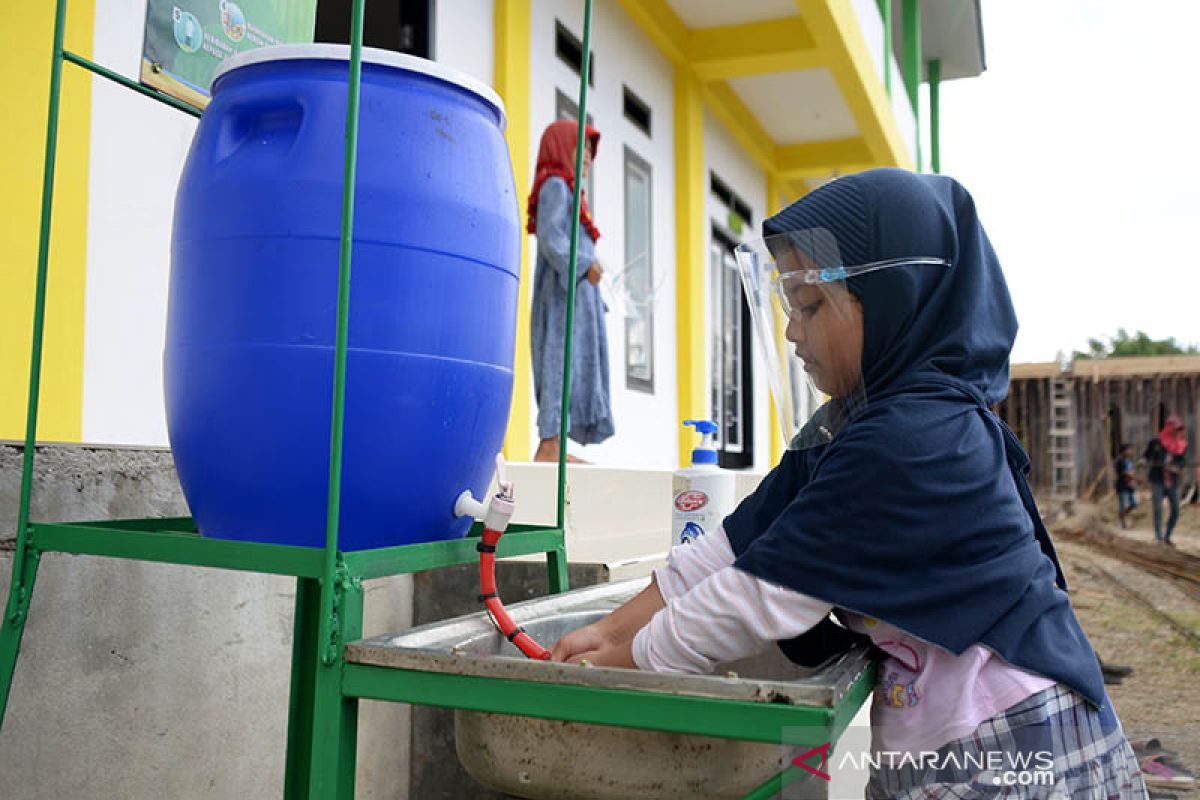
[632, 381]
[722, 243]
[642, 117]
[568, 49]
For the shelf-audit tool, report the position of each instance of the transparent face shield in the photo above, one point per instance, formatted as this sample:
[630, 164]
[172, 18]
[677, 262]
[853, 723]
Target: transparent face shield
[809, 328]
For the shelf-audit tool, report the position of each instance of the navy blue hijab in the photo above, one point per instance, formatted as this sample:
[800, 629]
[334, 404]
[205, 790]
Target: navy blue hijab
[918, 513]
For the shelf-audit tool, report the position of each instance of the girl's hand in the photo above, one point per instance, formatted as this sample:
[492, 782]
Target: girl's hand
[588, 639]
[609, 642]
[594, 273]
[619, 654]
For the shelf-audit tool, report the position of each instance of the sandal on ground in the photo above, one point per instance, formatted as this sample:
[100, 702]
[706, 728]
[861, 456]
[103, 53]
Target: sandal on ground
[1153, 747]
[1159, 775]
[1115, 670]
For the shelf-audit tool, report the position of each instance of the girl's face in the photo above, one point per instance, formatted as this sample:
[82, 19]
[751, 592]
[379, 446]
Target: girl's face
[826, 326]
[587, 159]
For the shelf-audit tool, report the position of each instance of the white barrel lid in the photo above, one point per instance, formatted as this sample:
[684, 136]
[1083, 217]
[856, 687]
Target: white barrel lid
[370, 55]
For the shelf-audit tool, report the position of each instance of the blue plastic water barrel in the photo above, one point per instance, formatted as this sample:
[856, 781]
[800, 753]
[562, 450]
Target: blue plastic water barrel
[248, 364]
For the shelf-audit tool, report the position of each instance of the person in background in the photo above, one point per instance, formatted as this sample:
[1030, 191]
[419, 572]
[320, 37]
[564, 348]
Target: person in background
[1125, 483]
[550, 216]
[1165, 456]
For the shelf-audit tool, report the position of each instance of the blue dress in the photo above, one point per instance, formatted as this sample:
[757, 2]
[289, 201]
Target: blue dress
[590, 414]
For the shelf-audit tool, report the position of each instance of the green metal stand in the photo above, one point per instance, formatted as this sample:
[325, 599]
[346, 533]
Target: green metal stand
[322, 720]
[325, 688]
[322, 717]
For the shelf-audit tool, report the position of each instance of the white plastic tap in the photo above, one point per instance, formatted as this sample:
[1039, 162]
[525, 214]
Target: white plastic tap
[499, 511]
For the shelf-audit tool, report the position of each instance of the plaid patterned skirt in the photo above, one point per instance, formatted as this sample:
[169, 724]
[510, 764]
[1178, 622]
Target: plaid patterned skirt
[1051, 746]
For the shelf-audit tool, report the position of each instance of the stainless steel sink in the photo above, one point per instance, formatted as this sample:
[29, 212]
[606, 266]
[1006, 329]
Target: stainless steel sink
[538, 758]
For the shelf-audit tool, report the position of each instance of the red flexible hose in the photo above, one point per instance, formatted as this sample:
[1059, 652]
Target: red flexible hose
[487, 585]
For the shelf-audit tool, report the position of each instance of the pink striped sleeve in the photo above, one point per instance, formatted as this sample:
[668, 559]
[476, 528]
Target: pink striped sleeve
[688, 564]
[726, 616]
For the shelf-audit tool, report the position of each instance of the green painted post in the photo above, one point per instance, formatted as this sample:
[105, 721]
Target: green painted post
[556, 564]
[347, 707]
[115, 77]
[776, 784]
[935, 126]
[328, 621]
[912, 65]
[20, 588]
[306, 653]
[581, 121]
[13, 625]
[334, 734]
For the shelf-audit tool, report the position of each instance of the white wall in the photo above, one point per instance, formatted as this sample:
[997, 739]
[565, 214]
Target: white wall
[903, 110]
[646, 423]
[871, 24]
[138, 148]
[723, 156]
[464, 37]
[137, 152]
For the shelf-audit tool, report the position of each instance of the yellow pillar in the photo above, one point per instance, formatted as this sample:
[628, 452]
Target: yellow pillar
[689, 254]
[513, 43]
[26, 34]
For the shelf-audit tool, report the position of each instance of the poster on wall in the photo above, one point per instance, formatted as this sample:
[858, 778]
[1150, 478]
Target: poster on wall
[186, 40]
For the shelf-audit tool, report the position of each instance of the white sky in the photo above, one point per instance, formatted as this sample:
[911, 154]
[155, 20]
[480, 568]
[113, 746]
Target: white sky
[1081, 146]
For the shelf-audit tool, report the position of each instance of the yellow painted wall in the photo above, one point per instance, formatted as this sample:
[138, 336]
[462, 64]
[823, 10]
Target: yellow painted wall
[690, 255]
[26, 36]
[512, 83]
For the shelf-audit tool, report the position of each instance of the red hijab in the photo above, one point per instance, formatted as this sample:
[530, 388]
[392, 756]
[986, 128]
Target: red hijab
[556, 157]
[1172, 436]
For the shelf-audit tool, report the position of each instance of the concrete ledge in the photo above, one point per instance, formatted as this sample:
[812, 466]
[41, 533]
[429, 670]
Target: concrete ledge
[138, 681]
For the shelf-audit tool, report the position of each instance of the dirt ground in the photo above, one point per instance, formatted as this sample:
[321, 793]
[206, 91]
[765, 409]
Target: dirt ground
[1161, 698]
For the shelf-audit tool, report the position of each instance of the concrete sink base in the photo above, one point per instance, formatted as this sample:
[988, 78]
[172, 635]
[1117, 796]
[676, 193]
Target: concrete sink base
[529, 757]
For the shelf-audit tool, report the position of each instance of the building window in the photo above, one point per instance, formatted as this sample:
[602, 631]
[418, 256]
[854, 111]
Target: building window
[732, 387]
[566, 108]
[569, 50]
[737, 210]
[638, 275]
[405, 26]
[636, 111]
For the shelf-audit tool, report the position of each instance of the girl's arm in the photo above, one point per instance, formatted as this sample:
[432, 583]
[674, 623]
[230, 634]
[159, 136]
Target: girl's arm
[610, 640]
[688, 564]
[612, 634]
[727, 616]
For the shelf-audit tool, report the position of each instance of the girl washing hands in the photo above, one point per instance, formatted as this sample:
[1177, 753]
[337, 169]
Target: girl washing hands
[901, 508]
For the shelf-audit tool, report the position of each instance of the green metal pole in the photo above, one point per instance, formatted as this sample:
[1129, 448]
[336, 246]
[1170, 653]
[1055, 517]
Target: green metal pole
[580, 139]
[18, 590]
[556, 567]
[885, 11]
[306, 651]
[104, 72]
[328, 635]
[934, 70]
[334, 733]
[12, 626]
[912, 65]
[776, 784]
[39, 301]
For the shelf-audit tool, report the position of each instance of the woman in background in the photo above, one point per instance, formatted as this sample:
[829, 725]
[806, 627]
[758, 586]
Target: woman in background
[550, 205]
